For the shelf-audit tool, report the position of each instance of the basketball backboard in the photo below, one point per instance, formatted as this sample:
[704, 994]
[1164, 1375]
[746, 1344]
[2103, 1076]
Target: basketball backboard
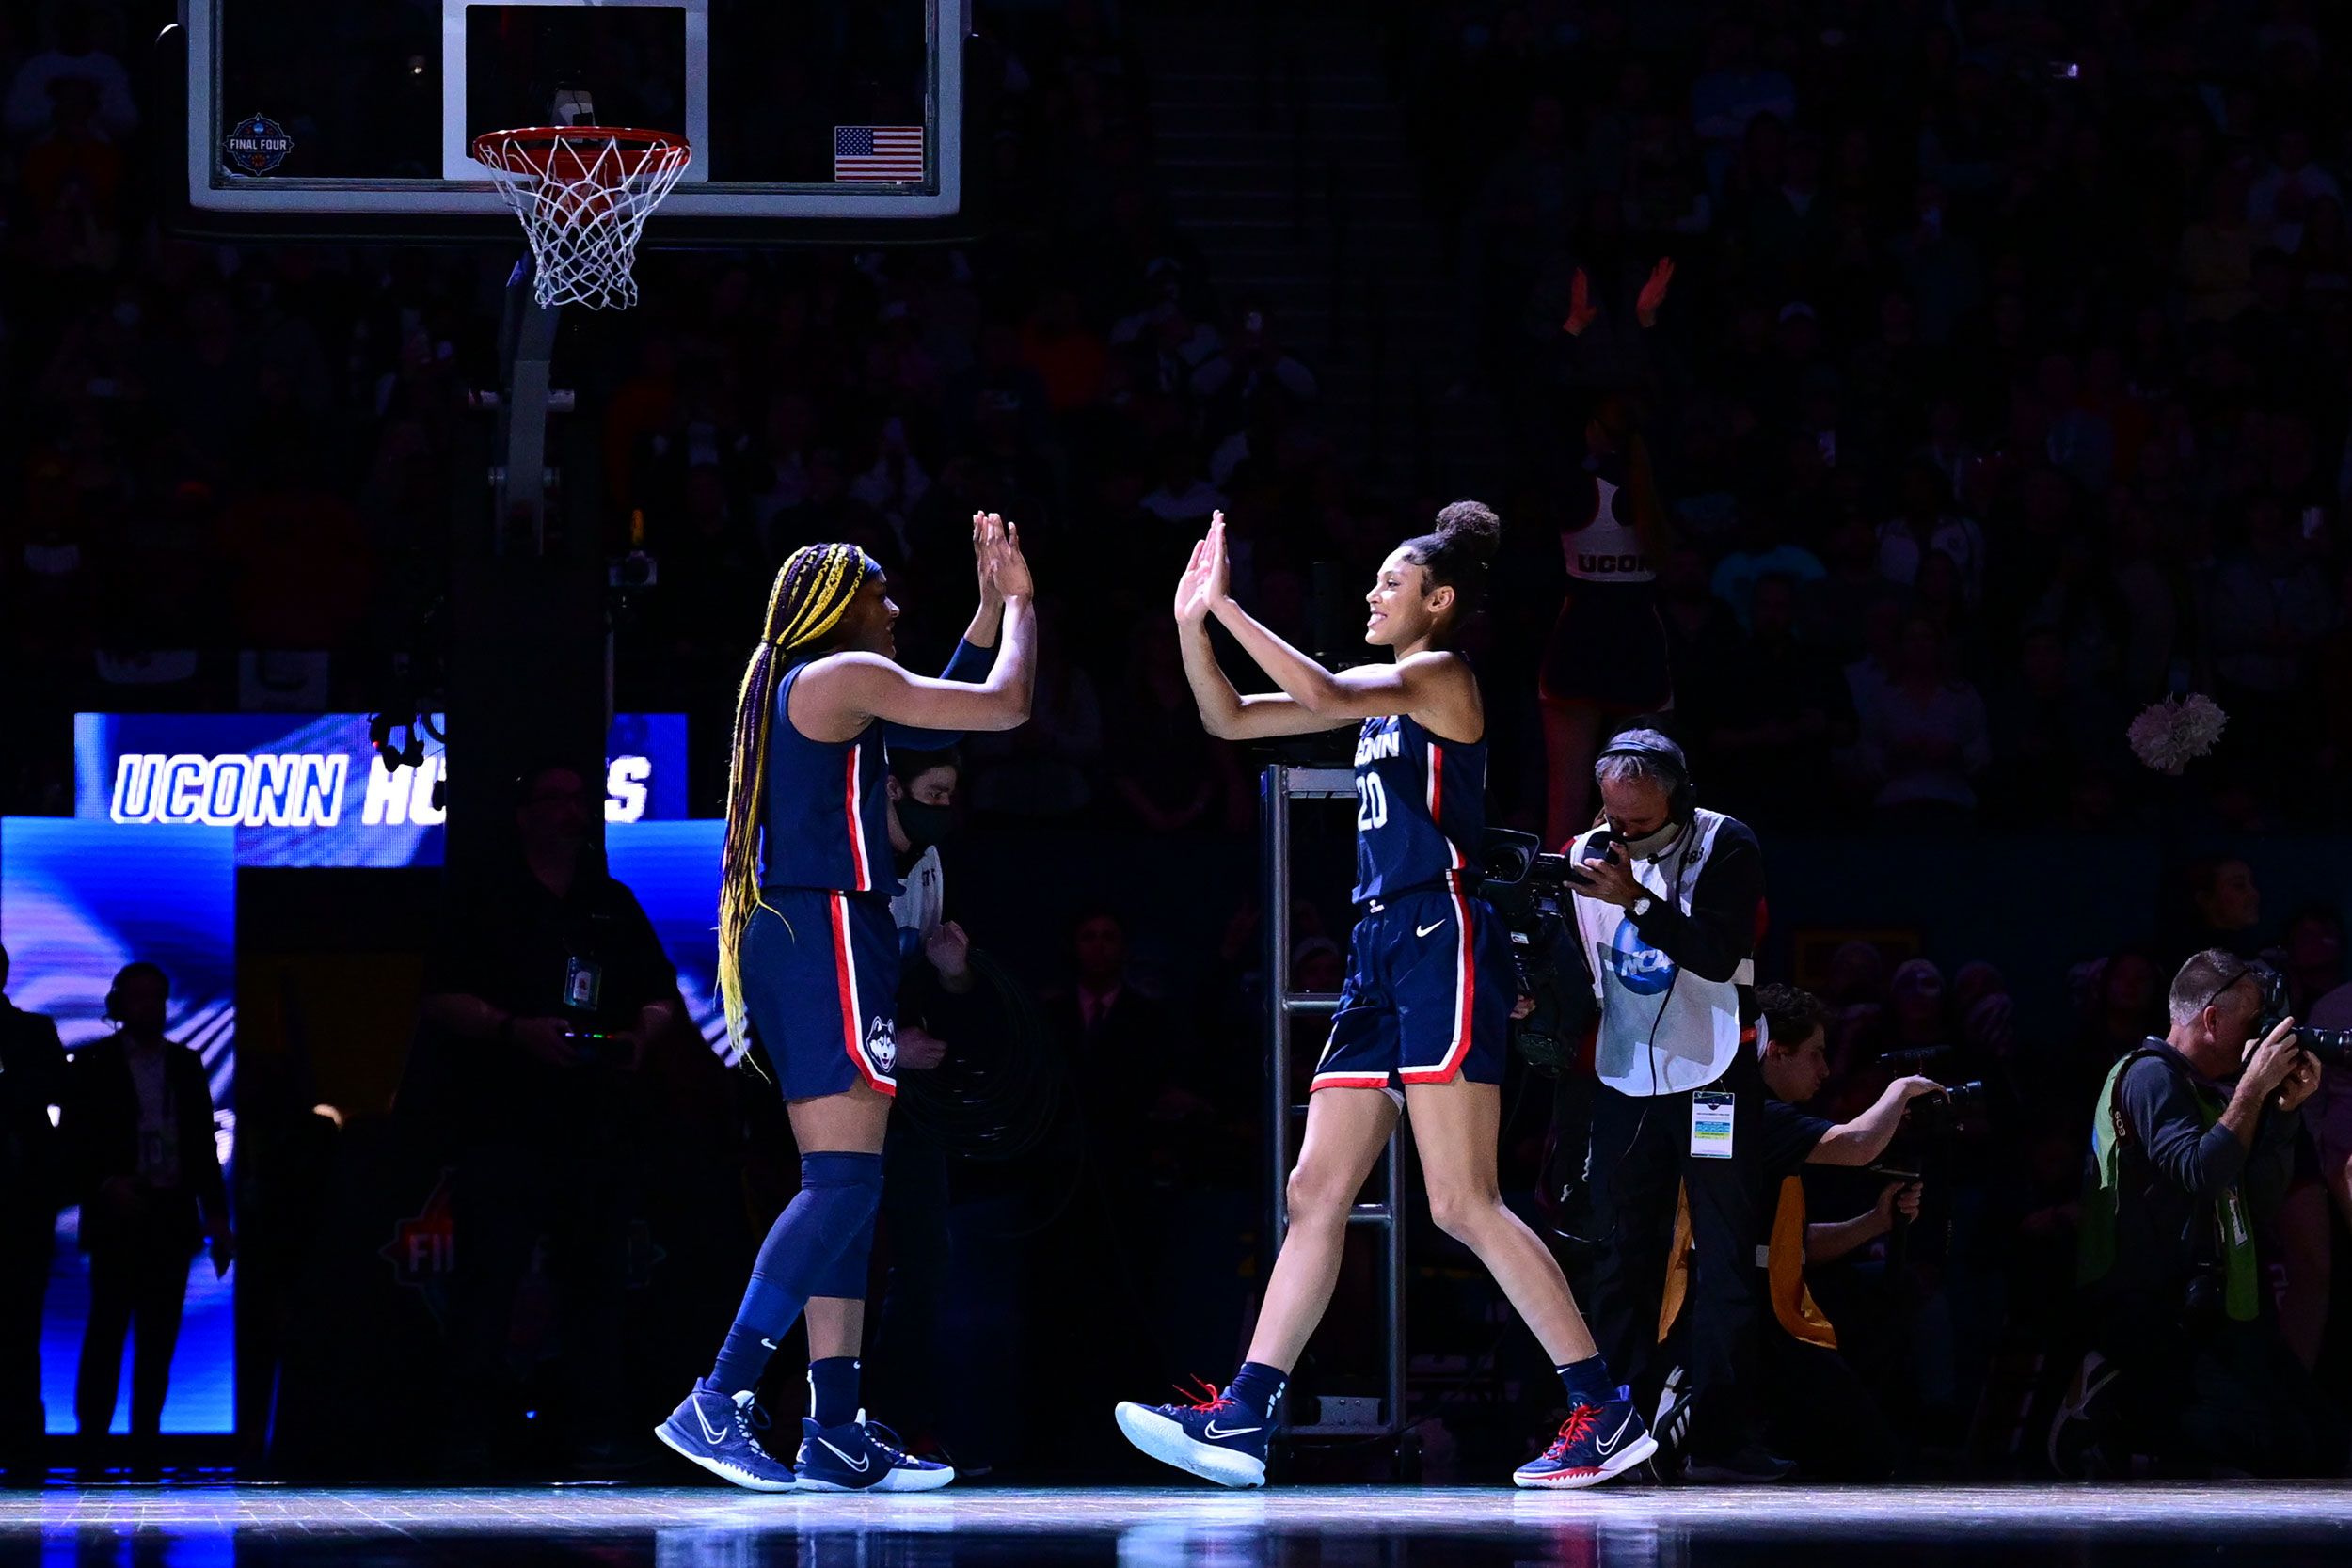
[359, 115]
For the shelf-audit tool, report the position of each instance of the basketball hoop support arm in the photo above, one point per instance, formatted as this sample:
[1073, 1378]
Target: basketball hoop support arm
[529, 333]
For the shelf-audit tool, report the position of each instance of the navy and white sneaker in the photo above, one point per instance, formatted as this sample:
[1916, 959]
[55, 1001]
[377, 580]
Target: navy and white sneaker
[720, 1433]
[1216, 1438]
[1597, 1443]
[847, 1458]
[909, 1472]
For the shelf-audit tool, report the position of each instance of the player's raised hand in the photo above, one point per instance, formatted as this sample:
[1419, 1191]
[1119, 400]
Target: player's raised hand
[1192, 589]
[1011, 570]
[1220, 564]
[1581, 311]
[988, 534]
[1653, 295]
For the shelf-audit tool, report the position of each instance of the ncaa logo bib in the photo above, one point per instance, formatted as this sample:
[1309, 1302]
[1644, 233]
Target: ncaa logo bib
[1639, 967]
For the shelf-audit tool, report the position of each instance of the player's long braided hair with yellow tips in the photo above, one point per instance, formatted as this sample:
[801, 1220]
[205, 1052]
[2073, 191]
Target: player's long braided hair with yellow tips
[812, 592]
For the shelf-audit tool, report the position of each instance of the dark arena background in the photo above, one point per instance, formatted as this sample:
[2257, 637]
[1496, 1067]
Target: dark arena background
[1933, 416]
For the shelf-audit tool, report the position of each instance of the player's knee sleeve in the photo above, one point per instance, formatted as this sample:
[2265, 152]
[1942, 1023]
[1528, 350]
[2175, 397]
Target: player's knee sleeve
[851, 1185]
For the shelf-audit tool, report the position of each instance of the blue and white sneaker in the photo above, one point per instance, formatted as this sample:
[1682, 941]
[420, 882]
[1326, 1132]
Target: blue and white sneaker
[720, 1433]
[909, 1472]
[1597, 1443]
[1216, 1438]
[847, 1458]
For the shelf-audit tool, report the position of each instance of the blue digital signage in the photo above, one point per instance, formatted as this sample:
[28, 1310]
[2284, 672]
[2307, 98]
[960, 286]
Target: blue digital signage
[78, 901]
[672, 867]
[310, 790]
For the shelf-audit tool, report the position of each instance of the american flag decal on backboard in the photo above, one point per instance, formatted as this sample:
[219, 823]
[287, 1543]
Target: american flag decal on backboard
[885, 152]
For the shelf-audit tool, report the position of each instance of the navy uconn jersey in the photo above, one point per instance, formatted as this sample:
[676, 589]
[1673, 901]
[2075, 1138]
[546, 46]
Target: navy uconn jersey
[828, 822]
[1420, 806]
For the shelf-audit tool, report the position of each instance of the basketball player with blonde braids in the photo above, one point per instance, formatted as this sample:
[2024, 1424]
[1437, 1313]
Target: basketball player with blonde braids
[808, 955]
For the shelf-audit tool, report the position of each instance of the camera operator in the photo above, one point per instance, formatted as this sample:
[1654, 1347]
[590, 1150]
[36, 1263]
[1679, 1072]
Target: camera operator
[1820, 1410]
[1669, 902]
[2193, 1147]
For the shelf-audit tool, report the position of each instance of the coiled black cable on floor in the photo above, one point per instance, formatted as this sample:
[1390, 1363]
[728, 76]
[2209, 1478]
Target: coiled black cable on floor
[992, 1099]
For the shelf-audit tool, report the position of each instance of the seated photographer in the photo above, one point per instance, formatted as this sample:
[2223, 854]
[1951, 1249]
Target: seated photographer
[2192, 1149]
[1820, 1411]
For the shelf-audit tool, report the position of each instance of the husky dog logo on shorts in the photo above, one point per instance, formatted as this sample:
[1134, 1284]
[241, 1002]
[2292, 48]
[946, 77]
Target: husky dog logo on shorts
[881, 1044]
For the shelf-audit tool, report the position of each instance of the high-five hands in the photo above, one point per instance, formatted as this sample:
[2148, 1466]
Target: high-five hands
[1004, 570]
[1207, 575]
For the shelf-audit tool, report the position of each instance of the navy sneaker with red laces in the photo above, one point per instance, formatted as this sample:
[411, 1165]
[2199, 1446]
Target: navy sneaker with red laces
[1216, 1437]
[1597, 1443]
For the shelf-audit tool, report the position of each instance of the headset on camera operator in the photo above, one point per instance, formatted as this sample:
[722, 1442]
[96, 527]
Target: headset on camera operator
[2192, 1149]
[1669, 902]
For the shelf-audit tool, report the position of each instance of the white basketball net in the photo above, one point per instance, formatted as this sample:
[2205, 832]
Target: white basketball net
[584, 193]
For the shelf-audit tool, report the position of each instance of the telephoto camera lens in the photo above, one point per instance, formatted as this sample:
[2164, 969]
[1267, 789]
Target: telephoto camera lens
[2331, 1048]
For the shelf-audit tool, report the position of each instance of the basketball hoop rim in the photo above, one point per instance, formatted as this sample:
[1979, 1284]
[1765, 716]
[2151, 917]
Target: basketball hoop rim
[528, 149]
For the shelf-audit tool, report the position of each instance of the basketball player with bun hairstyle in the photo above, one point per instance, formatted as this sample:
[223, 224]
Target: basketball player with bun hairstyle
[808, 955]
[1423, 1015]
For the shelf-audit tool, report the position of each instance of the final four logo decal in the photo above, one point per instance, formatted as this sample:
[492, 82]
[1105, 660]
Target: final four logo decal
[255, 145]
[423, 1250]
[1639, 967]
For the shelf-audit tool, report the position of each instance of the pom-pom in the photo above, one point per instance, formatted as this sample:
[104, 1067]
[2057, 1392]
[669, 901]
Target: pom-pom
[2170, 734]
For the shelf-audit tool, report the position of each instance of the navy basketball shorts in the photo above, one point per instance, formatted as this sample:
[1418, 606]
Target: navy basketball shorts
[820, 974]
[1427, 998]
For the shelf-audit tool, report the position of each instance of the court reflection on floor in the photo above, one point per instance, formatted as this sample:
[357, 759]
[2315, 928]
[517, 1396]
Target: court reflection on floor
[2010, 1526]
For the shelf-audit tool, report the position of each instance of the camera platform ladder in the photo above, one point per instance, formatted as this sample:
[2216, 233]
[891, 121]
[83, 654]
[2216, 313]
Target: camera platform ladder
[1280, 785]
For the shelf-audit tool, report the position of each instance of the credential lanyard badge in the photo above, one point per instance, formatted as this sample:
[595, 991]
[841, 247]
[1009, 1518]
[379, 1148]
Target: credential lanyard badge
[1710, 1124]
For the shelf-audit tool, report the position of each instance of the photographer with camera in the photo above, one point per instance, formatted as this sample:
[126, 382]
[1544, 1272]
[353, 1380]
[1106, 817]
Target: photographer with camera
[1669, 902]
[1821, 1411]
[2192, 1150]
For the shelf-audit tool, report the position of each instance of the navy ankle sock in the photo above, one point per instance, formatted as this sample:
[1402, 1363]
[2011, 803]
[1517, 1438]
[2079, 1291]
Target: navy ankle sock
[834, 1208]
[833, 1390]
[1587, 1381]
[744, 1355]
[1257, 1388]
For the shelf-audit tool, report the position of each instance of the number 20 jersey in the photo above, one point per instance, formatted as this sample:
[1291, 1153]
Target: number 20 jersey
[1421, 808]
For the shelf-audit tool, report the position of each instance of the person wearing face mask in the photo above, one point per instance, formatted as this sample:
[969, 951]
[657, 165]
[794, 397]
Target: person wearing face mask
[921, 789]
[1669, 914]
[939, 1007]
[138, 1118]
